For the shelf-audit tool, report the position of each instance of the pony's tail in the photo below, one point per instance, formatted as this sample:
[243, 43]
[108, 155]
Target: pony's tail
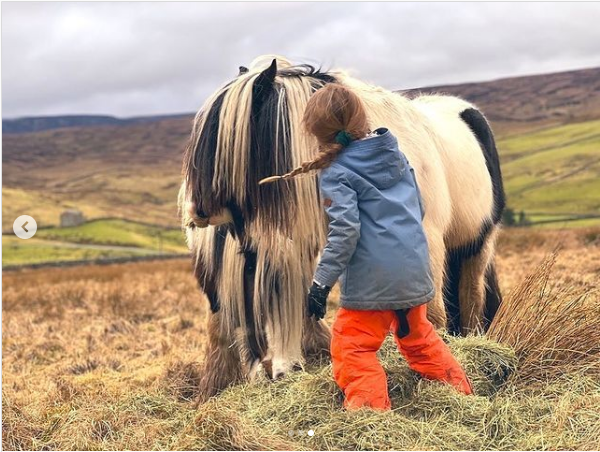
[322, 160]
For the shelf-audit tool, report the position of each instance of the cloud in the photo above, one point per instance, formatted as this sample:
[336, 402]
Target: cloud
[148, 58]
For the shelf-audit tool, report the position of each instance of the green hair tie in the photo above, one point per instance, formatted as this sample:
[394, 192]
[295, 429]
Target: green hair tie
[343, 138]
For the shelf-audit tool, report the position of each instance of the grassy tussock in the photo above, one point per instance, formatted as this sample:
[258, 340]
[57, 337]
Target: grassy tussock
[557, 332]
[107, 358]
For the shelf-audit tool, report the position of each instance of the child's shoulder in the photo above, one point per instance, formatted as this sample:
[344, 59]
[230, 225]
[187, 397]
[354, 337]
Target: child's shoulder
[334, 171]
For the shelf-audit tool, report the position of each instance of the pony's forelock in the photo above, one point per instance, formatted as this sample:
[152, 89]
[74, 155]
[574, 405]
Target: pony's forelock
[235, 143]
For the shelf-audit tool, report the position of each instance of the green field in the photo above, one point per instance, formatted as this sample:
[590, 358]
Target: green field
[34, 251]
[100, 239]
[554, 171]
[119, 233]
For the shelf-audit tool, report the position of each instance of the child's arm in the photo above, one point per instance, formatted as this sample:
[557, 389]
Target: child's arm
[341, 204]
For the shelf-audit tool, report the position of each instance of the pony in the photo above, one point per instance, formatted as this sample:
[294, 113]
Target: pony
[254, 248]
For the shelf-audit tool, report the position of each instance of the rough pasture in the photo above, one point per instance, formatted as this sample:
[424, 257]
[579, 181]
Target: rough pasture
[107, 358]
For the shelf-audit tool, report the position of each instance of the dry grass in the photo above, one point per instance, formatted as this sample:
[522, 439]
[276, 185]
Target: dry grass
[539, 389]
[107, 358]
[558, 330]
[87, 351]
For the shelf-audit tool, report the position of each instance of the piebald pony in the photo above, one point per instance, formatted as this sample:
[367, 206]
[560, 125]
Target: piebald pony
[255, 247]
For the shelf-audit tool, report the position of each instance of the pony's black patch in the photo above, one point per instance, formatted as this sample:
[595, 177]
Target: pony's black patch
[264, 83]
[474, 248]
[200, 166]
[482, 131]
[256, 338]
[208, 276]
[451, 285]
[239, 224]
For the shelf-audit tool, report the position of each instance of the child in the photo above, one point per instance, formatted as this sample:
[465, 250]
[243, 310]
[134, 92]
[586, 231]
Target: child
[377, 246]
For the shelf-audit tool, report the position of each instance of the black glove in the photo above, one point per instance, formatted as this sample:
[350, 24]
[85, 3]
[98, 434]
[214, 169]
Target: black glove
[317, 300]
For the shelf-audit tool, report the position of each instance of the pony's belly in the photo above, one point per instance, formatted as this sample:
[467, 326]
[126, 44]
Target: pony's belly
[463, 233]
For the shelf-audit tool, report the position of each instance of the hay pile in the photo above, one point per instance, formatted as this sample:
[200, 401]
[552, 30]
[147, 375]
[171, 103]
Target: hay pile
[542, 391]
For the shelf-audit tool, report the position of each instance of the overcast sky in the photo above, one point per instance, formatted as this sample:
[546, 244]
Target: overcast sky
[129, 59]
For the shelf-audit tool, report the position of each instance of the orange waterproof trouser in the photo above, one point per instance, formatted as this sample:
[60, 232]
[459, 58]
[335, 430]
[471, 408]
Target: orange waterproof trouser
[358, 335]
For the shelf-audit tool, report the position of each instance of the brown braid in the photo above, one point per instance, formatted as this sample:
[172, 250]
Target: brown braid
[330, 110]
[324, 158]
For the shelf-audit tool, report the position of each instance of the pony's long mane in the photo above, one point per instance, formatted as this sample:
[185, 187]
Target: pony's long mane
[243, 133]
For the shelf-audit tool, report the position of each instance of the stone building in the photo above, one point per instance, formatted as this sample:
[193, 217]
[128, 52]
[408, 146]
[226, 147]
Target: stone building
[71, 217]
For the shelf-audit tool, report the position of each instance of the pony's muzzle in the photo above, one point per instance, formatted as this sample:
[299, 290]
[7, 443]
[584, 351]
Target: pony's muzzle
[200, 219]
[223, 217]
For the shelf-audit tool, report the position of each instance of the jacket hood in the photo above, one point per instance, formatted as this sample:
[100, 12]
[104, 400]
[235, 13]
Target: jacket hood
[376, 159]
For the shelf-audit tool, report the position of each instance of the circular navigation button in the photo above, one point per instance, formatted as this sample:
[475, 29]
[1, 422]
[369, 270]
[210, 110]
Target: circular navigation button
[25, 227]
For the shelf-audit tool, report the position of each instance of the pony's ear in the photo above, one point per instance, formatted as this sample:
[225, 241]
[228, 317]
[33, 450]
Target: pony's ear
[264, 82]
[243, 70]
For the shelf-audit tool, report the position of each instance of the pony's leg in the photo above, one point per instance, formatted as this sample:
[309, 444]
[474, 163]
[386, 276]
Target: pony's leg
[472, 287]
[436, 311]
[222, 366]
[252, 340]
[316, 339]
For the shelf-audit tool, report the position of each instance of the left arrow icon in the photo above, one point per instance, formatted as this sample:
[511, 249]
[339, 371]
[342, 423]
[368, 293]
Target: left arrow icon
[25, 227]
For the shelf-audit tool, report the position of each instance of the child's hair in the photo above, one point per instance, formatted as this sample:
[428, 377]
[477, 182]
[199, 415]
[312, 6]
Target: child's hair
[335, 116]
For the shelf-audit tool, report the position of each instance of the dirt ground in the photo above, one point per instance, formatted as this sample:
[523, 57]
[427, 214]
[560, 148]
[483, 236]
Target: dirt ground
[98, 357]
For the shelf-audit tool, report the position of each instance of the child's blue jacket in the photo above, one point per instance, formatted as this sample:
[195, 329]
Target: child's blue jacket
[376, 244]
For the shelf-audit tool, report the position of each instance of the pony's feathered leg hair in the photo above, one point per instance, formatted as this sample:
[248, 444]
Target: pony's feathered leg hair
[222, 366]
